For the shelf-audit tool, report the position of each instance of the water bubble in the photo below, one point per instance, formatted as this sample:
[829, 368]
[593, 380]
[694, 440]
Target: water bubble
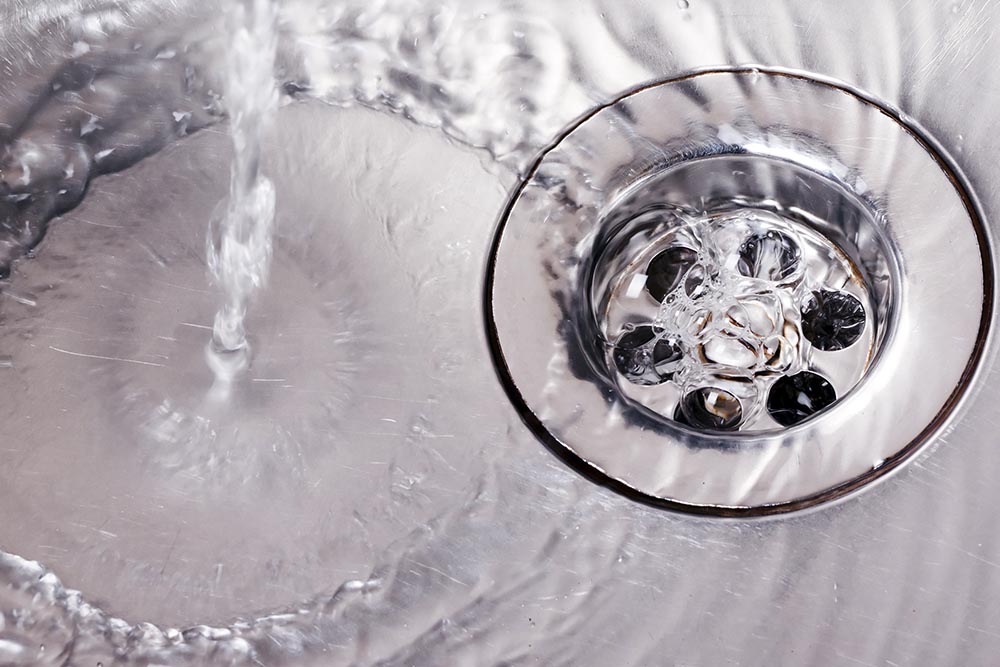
[644, 359]
[729, 352]
[832, 320]
[698, 321]
[794, 398]
[696, 282]
[764, 314]
[711, 409]
[683, 4]
[737, 317]
[777, 353]
[771, 255]
[667, 269]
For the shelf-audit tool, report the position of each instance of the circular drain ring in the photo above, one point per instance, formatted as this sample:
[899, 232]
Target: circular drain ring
[847, 447]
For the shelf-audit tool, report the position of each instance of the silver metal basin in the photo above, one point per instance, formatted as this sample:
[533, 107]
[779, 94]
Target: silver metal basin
[409, 473]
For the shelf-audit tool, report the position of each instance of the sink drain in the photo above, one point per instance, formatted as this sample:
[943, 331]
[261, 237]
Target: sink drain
[722, 305]
[738, 292]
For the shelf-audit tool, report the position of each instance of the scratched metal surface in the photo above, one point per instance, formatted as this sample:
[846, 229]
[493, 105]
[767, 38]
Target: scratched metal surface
[430, 527]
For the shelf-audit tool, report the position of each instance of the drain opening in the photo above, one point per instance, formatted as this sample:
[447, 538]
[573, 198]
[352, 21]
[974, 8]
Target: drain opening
[711, 293]
[714, 302]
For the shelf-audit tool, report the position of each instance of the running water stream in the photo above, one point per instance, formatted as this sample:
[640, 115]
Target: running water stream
[239, 240]
[366, 495]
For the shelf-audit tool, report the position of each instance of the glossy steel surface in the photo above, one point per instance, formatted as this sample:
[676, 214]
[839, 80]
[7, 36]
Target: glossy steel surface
[538, 296]
[448, 536]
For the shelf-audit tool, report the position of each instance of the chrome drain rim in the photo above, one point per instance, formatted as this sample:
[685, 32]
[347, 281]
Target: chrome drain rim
[930, 218]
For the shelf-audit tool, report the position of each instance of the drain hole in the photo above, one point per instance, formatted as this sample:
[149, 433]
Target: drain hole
[770, 256]
[703, 306]
[710, 409]
[795, 398]
[832, 321]
[720, 321]
[666, 271]
[712, 307]
[645, 359]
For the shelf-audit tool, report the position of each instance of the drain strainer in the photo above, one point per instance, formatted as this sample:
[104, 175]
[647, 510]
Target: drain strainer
[738, 292]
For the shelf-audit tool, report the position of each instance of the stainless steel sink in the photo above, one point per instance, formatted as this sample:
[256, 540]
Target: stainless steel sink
[413, 504]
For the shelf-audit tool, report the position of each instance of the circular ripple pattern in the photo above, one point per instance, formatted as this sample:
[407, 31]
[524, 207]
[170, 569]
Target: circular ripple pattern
[811, 575]
[724, 226]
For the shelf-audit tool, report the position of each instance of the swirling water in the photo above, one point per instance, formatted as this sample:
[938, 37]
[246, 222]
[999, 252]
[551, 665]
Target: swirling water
[441, 533]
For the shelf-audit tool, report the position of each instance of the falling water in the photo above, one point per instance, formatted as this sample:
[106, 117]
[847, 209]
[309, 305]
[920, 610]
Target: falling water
[422, 525]
[239, 240]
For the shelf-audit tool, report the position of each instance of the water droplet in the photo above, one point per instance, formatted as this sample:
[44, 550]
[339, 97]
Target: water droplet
[683, 4]
[696, 283]
[711, 409]
[772, 255]
[794, 398]
[832, 320]
[667, 269]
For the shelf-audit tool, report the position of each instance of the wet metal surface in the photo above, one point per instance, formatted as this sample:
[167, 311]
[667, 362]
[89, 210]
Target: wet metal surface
[735, 143]
[431, 527]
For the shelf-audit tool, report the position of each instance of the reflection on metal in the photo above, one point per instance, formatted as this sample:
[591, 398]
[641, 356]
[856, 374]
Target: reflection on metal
[428, 527]
[725, 148]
